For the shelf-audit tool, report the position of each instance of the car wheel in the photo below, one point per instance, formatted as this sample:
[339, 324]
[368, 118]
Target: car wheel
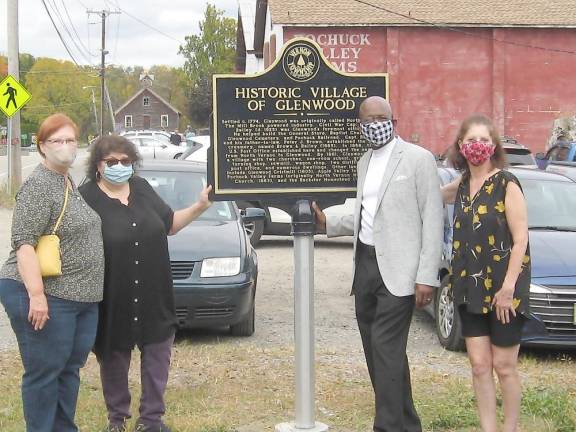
[448, 325]
[246, 327]
[177, 155]
[253, 229]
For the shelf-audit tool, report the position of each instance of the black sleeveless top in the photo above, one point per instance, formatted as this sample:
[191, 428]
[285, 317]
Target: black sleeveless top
[482, 245]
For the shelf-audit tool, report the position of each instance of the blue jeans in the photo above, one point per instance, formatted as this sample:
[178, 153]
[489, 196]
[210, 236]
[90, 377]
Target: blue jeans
[52, 357]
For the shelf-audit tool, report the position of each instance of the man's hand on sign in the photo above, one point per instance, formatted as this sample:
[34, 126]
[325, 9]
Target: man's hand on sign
[320, 218]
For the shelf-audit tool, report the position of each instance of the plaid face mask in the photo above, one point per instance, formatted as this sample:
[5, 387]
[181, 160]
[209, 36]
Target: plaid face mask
[378, 133]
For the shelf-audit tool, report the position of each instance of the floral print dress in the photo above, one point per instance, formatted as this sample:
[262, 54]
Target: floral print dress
[482, 245]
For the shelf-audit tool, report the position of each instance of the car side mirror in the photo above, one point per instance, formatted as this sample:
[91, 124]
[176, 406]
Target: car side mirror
[541, 161]
[253, 214]
[164, 146]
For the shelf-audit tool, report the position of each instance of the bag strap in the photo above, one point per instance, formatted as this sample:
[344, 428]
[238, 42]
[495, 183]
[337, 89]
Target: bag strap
[63, 208]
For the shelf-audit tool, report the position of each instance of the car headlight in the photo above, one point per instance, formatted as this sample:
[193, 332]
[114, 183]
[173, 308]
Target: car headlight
[539, 289]
[218, 267]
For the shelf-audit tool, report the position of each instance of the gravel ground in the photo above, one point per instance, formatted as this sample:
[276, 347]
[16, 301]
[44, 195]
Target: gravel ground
[334, 311]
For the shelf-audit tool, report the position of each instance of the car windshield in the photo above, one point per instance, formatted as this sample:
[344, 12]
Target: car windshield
[180, 189]
[551, 204]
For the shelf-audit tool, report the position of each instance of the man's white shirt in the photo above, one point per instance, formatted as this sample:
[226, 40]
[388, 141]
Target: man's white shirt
[372, 183]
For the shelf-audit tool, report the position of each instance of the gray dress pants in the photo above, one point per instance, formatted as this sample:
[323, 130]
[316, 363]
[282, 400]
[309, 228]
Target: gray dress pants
[155, 364]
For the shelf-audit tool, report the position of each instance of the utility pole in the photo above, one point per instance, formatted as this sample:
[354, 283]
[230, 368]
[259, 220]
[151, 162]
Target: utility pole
[13, 138]
[103, 15]
[93, 104]
[110, 109]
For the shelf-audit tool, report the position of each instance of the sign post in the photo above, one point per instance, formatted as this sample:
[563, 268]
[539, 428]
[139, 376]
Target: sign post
[13, 96]
[284, 138]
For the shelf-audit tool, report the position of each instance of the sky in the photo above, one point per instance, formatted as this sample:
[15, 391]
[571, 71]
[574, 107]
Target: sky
[129, 42]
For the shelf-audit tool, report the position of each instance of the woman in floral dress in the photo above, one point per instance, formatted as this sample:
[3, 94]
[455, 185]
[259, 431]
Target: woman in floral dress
[490, 266]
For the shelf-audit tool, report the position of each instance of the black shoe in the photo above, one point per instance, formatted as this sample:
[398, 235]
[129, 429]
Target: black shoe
[115, 428]
[144, 428]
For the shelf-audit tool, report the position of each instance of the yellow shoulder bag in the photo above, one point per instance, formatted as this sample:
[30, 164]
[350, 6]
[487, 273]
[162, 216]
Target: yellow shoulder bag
[48, 247]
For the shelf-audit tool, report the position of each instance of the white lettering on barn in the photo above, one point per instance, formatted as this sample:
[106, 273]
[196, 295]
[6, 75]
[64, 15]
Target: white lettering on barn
[343, 50]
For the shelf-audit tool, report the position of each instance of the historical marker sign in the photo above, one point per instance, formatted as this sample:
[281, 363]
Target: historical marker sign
[291, 131]
[13, 96]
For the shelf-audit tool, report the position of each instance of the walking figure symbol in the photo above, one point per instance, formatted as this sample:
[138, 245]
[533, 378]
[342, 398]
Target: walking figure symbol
[11, 92]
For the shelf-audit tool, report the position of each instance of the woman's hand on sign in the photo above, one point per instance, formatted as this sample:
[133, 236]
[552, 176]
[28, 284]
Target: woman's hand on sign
[320, 217]
[204, 199]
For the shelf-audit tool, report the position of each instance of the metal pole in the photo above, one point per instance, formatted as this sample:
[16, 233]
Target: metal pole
[304, 329]
[94, 108]
[102, 72]
[13, 143]
[9, 154]
[110, 108]
[303, 229]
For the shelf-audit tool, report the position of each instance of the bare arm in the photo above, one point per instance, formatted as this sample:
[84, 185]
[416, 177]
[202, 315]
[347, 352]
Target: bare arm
[450, 190]
[517, 218]
[183, 217]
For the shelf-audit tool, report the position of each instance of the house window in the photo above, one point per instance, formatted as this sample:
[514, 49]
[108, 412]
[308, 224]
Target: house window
[146, 101]
[128, 121]
[164, 120]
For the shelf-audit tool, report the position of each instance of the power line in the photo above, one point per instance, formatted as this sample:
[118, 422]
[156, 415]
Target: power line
[55, 106]
[59, 35]
[75, 32]
[56, 11]
[445, 26]
[148, 25]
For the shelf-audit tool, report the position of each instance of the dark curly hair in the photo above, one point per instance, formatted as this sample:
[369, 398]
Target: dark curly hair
[455, 157]
[105, 145]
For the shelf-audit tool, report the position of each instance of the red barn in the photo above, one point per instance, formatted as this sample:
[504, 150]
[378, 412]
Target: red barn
[513, 60]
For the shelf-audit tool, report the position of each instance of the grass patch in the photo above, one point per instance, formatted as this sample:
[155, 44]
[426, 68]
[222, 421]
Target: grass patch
[556, 406]
[229, 386]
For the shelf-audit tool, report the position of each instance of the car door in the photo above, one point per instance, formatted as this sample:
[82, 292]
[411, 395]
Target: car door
[154, 148]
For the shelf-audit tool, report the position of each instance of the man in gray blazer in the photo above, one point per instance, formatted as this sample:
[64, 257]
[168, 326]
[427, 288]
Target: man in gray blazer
[397, 228]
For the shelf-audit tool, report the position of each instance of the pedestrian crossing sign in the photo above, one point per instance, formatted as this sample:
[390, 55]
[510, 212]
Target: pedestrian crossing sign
[13, 96]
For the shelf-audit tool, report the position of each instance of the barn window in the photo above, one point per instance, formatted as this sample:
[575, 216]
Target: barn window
[146, 101]
[128, 121]
[164, 120]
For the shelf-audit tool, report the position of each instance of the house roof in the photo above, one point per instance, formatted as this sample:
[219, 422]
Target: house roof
[138, 93]
[465, 13]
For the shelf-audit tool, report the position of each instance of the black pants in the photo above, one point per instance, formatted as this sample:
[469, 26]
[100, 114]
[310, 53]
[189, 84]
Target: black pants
[384, 322]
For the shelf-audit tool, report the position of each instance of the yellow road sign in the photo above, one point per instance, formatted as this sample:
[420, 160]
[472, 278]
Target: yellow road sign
[13, 96]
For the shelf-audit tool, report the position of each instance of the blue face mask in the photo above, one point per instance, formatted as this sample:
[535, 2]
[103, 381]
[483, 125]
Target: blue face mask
[118, 173]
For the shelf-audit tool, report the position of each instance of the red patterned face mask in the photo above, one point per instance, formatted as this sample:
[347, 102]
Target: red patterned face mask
[477, 152]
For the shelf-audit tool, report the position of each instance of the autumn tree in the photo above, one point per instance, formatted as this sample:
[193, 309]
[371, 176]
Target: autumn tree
[211, 52]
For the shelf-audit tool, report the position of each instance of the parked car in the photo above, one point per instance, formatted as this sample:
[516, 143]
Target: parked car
[152, 148]
[159, 135]
[214, 267]
[551, 201]
[562, 151]
[197, 149]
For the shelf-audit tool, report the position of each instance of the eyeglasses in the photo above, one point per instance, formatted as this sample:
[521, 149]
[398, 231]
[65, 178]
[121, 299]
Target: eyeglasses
[60, 141]
[113, 161]
[379, 118]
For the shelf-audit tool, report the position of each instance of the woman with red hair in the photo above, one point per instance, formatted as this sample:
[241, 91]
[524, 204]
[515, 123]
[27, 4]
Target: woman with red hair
[54, 318]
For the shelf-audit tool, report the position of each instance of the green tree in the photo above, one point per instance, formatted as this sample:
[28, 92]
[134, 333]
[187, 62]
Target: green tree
[56, 86]
[212, 51]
